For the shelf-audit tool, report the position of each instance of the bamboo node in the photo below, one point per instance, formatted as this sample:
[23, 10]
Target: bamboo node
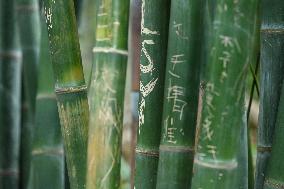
[110, 50]
[9, 172]
[215, 164]
[71, 89]
[182, 149]
[272, 30]
[152, 153]
[264, 148]
[13, 54]
[274, 184]
[47, 152]
[27, 7]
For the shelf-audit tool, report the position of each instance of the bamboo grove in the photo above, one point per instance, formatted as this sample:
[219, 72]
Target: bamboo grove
[207, 111]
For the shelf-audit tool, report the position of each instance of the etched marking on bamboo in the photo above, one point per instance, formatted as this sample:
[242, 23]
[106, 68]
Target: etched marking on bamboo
[225, 165]
[27, 8]
[11, 54]
[71, 89]
[37, 152]
[147, 152]
[273, 183]
[272, 30]
[182, 149]
[110, 50]
[9, 172]
[264, 148]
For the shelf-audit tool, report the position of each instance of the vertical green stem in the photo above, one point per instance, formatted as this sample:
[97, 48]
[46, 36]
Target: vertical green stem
[228, 55]
[274, 178]
[106, 94]
[10, 93]
[29, 29]
[271, 77]
[154, 35]
[47, 166]
[180, 95]
[70, 86]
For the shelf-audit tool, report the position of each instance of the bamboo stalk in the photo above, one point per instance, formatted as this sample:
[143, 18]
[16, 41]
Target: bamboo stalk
[28, 22]
[47, 170]
[274, 178]
[87, 36]
[106, 94]
[216, 161]
[180, 95]
[154, 35]
[70, 86]
[271, 69]
[10, 87]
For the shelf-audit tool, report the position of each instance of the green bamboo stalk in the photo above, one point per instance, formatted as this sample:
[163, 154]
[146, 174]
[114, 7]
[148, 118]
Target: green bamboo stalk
[78, 8]
[154, 35]
[10, 93]
[106, 94]
[70, 86]
[271, 69]
[274, 178]
[47, 170]
[216, 161]
[28, 22]
[180, 95]
[87, 36]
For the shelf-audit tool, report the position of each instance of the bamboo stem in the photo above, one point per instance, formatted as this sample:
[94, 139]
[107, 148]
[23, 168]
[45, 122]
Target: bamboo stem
[271, 77]
[47, 170]
[216, 161]
[28, 22]
[106, 94]
[180, 95]
[10, 97]
[70, 86]
[154, 35]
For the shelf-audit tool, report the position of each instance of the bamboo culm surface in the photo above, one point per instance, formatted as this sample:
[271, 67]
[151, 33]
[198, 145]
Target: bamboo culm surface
[271, 77]
[180, 95]
[274, 178]
[10, 96]
[29, 32]
[154, 35]
[70, 86]
[106, 94]
[216, 160]
[47, 166]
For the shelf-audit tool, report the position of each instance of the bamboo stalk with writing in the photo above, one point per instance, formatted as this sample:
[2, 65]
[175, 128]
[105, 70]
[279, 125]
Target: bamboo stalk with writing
[180, 95]
[222, 114]
[10, 96]
[154, 35]
[106, 94]
[70, 86]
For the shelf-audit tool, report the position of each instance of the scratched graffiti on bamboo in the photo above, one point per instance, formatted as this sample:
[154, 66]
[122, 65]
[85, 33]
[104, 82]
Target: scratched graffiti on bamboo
[146, 89]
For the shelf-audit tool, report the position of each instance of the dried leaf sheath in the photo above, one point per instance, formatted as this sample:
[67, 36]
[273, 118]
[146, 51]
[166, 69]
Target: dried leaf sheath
[154, 35]
[69, 86]
[271, 77]
[180, 95]
[223, 102]
[10, 93]
[106, 94]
